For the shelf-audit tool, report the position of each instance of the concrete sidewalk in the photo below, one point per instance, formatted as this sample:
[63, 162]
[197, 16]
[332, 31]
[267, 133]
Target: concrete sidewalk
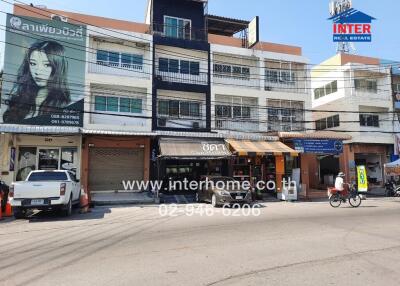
[122, 198]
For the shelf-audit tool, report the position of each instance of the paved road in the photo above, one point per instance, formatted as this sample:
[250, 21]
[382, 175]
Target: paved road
[287, 244]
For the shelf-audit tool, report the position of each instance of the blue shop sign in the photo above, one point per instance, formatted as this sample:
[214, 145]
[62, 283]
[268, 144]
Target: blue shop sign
[318, 146]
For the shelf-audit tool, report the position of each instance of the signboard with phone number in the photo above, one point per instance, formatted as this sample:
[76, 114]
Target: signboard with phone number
[318, 146]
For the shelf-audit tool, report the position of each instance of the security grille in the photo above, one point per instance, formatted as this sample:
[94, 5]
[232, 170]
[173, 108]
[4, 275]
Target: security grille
[108, 167]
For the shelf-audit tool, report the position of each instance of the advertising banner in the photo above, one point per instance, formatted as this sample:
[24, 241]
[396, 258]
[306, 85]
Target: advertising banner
[362, 179]
[397, 144]
[318, 146]
[254, 32]
[44, 72]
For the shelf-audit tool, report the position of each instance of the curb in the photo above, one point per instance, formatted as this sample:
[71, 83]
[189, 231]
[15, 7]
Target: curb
[123, 202]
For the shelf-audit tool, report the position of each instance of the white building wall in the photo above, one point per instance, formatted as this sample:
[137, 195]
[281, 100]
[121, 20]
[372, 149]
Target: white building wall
[255, 87]
[350, 102]
[118, 80]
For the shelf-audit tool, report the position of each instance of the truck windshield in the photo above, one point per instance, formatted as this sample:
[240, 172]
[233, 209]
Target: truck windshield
[48, 176]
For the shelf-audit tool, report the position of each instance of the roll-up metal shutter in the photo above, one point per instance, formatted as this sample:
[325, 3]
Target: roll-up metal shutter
[108, 167]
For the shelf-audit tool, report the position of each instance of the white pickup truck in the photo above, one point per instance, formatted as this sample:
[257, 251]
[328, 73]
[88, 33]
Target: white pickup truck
[45, 190]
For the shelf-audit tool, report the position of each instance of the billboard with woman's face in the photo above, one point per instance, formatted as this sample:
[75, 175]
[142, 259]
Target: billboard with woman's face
[44, 72]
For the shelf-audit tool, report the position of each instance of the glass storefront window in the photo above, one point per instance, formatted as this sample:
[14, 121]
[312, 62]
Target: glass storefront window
[43, 158]
[69, 159]
[26, 162]
[48, 159]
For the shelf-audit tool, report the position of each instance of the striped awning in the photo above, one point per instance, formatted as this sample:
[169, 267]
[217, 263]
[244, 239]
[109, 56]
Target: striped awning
[259, 148]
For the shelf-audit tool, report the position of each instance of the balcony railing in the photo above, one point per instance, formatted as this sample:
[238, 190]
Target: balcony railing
[373, 95]
[182, 123]
[200, 79]
[179, 32]
[286, 127]
[236, 81]
[239, 124]
[118, 69]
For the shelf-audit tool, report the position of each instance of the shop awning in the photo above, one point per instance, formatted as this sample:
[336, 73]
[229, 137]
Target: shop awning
[36, 129]
[260, 148]
[393, 168]
[196, 149]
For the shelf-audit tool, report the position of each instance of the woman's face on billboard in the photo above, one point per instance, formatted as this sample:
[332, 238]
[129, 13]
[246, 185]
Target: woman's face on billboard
[40, 68]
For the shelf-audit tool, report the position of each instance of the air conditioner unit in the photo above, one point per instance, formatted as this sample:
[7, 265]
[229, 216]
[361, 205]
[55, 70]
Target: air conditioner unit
[59, 18]
[196, 125]
[162, 122]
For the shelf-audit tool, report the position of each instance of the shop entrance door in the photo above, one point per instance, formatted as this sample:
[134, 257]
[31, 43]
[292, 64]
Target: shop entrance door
[329, 167]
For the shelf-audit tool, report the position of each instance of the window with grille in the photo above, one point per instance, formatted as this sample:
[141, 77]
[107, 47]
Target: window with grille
[117, 59]
[285, 115]
[179, 109]
[178, 66]
[232, 71]
[368, 85]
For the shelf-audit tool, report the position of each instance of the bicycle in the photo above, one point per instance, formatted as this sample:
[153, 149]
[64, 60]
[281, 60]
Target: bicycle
[337, 197]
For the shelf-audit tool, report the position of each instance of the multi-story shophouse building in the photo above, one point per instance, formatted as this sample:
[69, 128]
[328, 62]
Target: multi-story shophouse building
[106, 76]
[259, 90]
[396, 100]
[353, 95]
[182, 95]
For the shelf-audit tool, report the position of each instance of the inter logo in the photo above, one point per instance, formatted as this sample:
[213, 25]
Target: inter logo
[352, 26]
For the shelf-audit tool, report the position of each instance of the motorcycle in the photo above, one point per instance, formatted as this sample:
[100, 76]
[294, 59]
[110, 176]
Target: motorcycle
[391, 190]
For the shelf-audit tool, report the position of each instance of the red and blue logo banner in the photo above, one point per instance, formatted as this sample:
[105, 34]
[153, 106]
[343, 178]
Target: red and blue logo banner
[352, 26]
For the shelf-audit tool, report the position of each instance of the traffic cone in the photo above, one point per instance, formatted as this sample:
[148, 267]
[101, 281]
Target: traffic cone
[84, 201]
[8, 211]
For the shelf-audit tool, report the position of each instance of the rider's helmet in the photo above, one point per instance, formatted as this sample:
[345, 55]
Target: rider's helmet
[341, 174]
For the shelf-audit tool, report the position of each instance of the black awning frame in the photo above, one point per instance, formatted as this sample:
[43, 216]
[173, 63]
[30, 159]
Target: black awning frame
[225, 26]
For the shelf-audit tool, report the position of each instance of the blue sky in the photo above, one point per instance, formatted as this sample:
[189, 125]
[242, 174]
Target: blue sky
[301, 23]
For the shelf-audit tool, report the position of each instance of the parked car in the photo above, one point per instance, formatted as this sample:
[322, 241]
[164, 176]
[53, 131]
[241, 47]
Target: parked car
[45, 190]
[228, 191]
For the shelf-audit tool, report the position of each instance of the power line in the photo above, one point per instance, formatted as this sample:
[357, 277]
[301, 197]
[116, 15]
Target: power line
[255, 76]
[132, 36]
[238, 119]
[232, 84]
[259, 76]
[105, 91]
[225, 129]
